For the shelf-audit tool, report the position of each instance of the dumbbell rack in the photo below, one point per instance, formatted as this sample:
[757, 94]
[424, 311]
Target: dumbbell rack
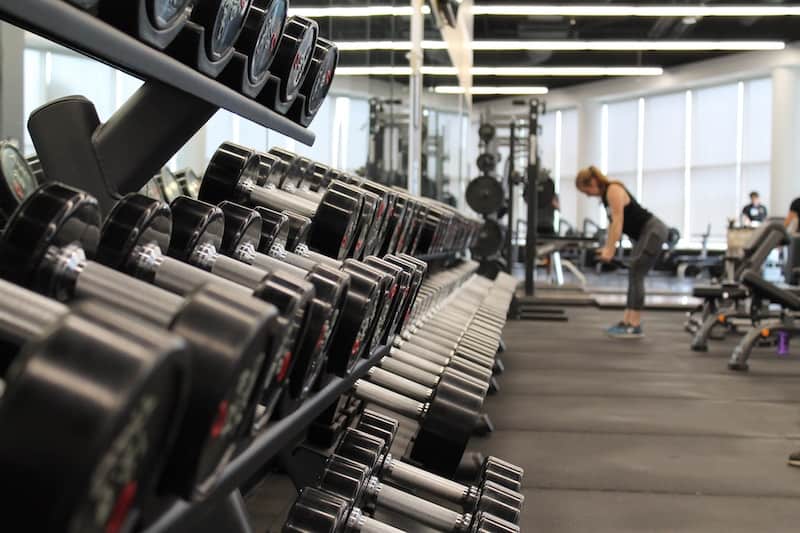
[120, 155]
[184, 516]
[140, 138]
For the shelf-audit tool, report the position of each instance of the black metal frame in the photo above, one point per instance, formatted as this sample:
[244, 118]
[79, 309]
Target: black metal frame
[121, 155]
[194, 517]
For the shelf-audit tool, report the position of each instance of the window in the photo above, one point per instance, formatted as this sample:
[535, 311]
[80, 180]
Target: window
[568, 167]
[714, 196]
[663, 162]
[622, 134]
[756, 140]
[51, 74]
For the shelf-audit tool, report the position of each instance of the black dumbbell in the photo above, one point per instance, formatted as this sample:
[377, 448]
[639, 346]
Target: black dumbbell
[90, 402]
[294, 174]
[44, 247]
[235, 173]
[136, 234]
[243, 230]
[283, 170]
[17, 179]
[317, 82]
[354, 481]
[291, 63]
[445, 421]
[223, 21]
[156, 22]
[360, 307]
[319, 176]
[373, 286]
[320, 511]
[496, 492]
[260, 36]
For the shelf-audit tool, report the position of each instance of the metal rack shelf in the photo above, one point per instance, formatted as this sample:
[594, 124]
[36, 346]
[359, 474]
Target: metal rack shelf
[61, 22]
[438, 256]
[183, 516]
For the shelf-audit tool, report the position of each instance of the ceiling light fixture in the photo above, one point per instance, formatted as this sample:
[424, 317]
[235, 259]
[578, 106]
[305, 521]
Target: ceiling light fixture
[569, 45]
[454, 89]
[638, 46]
[564, 10]
[567, 71]
[369, 11]
[378, 70]
[567, 10]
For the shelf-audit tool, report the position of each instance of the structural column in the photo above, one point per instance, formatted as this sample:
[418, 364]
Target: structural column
[12, 95]
[415, 58]
[785, 178]
[589, 153]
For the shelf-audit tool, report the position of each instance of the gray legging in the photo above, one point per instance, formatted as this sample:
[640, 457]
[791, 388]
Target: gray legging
[645, 253]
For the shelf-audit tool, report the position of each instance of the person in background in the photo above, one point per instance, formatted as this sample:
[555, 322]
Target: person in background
[792, 221]
[754, 213]
[647, 231]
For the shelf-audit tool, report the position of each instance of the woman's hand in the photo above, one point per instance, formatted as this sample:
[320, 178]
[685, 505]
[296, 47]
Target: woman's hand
[606, 254]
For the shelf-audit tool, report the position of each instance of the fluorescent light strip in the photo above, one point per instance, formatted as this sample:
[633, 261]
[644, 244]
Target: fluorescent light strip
[636, 11]
[568, 45]
[369, 11]
[503, 71]
[446, 89]
[666, 45]
[400, 46]
[563, 10]
[567, 71]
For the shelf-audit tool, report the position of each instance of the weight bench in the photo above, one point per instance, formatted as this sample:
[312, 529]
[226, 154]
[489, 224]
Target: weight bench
[782, 326]
[724, 303]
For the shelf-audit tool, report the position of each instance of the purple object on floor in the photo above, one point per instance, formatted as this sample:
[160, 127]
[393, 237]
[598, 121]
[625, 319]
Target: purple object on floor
[783, 343]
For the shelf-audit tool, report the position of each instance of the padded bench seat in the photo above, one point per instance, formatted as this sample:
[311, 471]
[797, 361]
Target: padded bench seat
[720, 291]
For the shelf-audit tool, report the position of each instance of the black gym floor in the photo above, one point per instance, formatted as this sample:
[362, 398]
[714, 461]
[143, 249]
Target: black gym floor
[645, 435]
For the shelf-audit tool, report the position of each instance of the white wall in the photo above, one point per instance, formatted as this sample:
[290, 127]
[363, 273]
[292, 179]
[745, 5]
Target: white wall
[739, 145]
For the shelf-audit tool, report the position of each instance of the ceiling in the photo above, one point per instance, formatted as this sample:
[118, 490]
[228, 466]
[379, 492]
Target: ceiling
[553, 28]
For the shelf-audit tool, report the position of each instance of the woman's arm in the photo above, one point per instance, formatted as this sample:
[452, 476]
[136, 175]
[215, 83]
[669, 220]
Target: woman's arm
[617, 198]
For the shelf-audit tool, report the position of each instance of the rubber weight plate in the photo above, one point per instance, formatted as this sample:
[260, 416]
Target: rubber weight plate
[485, 195]
[490, 239]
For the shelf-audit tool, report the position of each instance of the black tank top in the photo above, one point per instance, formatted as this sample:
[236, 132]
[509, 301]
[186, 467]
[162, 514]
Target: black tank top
[635, 216]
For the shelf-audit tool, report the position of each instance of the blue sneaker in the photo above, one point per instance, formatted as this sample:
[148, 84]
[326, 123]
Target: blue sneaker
[625, 331]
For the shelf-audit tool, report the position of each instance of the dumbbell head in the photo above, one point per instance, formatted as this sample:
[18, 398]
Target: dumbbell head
[293, 56]
[501, 472]
[386, 293]
[274, 230]
[402, 292]
[298, 230]
[378, 425]
[17, 179]
[486, 523]
[261, 34]
[134, 221]
[194, 224]
[317, 511]
[317, 82]
[124, 384]
[223, 21]
[344, 477]
[446, 428]
[363, 448]
[500, 501]
[53, 215]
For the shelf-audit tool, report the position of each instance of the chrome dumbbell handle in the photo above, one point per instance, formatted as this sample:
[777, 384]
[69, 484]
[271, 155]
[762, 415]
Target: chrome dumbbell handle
[390, 400]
